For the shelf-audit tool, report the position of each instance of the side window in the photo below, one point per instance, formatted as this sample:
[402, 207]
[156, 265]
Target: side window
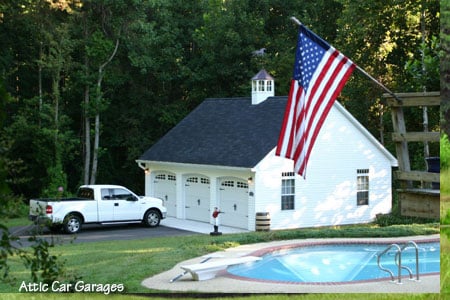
[121, 194]
[105, 194]
[85, 193]
[261, 85]
[288, 191]
[362, 192]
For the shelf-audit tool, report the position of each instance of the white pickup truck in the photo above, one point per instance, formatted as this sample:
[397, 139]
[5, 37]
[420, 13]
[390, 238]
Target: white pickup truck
[101, 204]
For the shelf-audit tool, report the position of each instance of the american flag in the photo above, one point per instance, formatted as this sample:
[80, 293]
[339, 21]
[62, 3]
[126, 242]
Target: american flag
[320, 73]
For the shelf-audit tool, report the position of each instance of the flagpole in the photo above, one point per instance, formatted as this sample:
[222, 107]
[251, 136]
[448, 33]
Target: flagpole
[295, 20]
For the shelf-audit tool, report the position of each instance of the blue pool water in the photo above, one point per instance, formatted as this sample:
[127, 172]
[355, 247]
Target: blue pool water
[338, 263]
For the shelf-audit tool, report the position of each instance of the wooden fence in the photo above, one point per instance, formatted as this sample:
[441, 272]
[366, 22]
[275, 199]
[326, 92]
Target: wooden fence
[416, 195]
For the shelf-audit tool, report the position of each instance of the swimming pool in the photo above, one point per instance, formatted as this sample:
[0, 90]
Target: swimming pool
[332, 263]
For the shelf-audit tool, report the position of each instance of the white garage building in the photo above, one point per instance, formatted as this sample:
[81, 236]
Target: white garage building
[223, 154]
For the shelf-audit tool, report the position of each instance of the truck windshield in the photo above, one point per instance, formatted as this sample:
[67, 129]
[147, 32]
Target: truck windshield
[85, 193]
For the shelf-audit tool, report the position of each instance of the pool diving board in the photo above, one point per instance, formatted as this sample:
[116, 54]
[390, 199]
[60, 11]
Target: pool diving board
[209, 270]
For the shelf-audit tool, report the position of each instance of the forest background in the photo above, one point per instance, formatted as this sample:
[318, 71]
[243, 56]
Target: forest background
[87, 86]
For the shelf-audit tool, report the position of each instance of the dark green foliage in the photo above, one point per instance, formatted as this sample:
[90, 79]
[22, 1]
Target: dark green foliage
[4, 188]
[384, 220]
[43, 266]
[171, 56]
[6, 251]
[12, 206]
[445, 65]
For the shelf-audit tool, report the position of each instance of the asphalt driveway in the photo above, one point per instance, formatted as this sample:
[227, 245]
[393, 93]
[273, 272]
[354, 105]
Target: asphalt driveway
[97, 233]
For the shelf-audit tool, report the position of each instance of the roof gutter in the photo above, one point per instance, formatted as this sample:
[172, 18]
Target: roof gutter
[142, 165]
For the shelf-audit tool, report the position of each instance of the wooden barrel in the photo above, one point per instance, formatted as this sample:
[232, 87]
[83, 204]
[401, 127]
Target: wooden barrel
[262, 221]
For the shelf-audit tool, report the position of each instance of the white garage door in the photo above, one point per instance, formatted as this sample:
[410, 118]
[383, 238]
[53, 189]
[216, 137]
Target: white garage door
[165, 188]
[233, 195]
[197, 198]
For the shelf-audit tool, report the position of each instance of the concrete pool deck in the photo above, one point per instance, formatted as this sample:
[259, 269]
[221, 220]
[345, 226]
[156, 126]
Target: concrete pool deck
[225, 283]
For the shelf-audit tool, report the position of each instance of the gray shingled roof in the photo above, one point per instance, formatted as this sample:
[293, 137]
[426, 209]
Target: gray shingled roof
[225, 132]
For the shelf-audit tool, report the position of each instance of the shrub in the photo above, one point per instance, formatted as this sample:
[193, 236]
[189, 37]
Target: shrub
[384, 220]
[12, 206]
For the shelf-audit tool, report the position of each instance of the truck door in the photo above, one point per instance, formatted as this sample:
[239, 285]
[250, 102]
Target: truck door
[105, 207]
[126, 205]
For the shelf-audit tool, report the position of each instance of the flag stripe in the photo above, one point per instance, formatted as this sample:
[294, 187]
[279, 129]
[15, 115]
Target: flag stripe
[320, 73]
[321, 119]
[328, 92]
[317, 100]
[324, 101]
[285, 139]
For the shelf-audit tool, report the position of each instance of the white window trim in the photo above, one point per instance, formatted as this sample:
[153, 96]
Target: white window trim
[362, 186]
[285, 178]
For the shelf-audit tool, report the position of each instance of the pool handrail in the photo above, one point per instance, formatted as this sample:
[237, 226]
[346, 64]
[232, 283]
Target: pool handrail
[399, 262]
[402, 248]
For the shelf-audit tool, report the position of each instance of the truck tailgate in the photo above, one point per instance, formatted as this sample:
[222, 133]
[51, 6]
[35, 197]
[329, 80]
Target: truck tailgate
[37, 207]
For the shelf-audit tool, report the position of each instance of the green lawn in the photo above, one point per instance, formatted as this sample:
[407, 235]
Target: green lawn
[129, 262]
[445, 182]
[233, 297]
[445, 210]
[445, 261]
[23, 221]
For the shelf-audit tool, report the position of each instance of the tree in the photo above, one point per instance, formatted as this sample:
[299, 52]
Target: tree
[382, 37]
[104, 25]
[95, 83]
[445, 65]
[157, 89]
[37, 119]
[99, 51]
[57, 61]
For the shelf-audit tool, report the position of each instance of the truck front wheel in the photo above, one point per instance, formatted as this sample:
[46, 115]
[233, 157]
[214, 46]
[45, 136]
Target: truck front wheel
[72, 224]
[152, 218]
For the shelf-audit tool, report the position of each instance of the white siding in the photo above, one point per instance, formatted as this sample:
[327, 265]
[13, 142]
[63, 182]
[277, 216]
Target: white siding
[328, 195]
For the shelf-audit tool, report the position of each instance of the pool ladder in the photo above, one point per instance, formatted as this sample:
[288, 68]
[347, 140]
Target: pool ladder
[398, 261]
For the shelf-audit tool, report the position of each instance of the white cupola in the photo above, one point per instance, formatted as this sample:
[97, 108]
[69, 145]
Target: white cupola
[263, 87]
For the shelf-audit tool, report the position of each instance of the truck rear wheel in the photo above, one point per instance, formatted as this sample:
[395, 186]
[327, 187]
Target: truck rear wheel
[152, 218]
[72, 224]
